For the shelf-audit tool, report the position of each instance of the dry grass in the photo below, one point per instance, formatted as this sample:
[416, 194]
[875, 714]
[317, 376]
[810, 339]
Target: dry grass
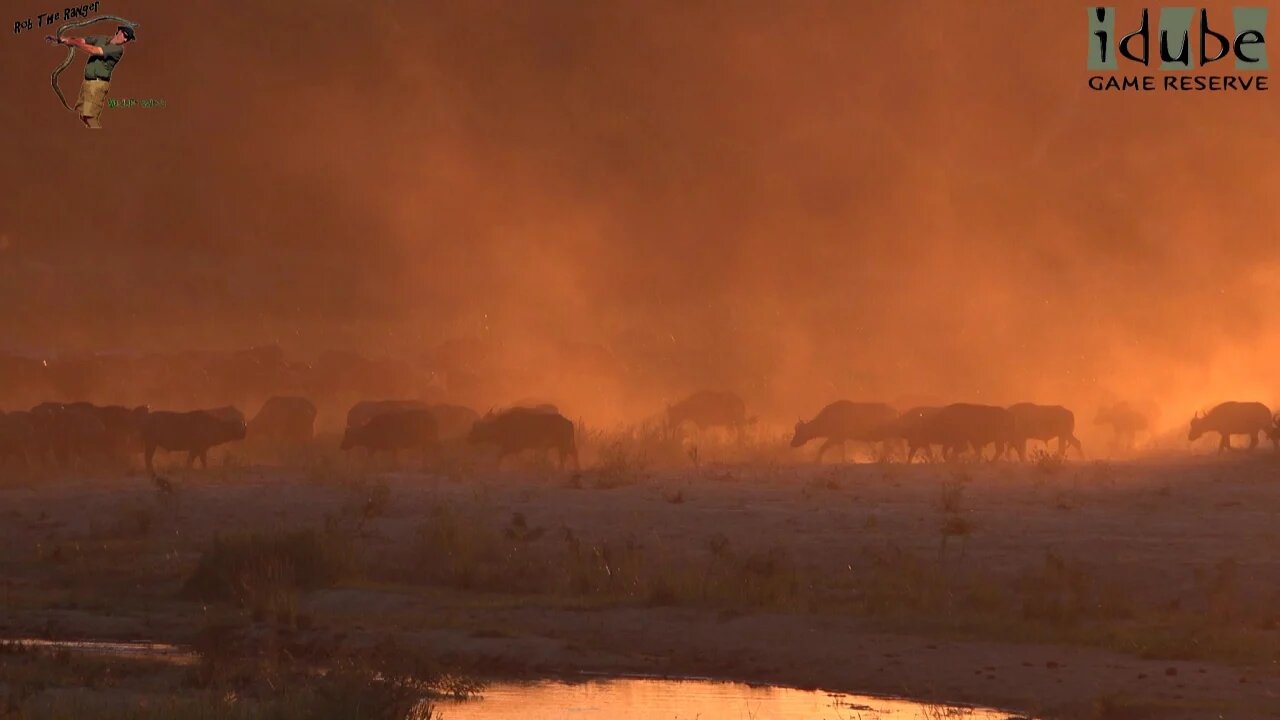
[459, 552]
[951, 497]
[1047, 462]
[265, 572]
[620, 464]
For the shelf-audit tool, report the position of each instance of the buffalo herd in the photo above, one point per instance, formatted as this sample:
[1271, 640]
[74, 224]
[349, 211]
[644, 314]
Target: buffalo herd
[81, 434]
[954, 429]
[963, 427]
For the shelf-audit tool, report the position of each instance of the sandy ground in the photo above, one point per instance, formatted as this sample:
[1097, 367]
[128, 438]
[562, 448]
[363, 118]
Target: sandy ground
[78, 562]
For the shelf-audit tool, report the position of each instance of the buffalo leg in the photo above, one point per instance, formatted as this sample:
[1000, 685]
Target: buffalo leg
[1225, 443]
[149, 454]
[191, 458]
[823, 450]
[565, 454]
[1253, 440]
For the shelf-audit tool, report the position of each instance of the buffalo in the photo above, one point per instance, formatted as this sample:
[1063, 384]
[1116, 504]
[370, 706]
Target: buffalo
[521, 429]
[122, 427]
[843, 421]
[70, 434]
[44, 447]
[708, 409]
[1235, 418]
[964, 425]
[1125, 421]
[288, 421]
[366, 410]
[1044, 423]
[125, 424]
[50, 443]
[910, 427]
[194, 432]
[453, 421]
[17, 437]
[535, 405]
[393, 431]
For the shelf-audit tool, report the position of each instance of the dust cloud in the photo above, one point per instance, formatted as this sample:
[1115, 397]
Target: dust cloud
[612, 204]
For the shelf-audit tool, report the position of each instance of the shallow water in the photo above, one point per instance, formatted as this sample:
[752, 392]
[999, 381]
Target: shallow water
[645, 699]
[147, 650]
[617, 698]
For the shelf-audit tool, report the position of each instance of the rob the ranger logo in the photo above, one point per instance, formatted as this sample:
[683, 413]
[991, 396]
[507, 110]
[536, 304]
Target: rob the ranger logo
[1176, 53]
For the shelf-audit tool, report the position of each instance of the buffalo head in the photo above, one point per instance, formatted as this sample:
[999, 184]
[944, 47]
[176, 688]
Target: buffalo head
[350, 437]
[802, 434]
[1197, 427]
[482, 430]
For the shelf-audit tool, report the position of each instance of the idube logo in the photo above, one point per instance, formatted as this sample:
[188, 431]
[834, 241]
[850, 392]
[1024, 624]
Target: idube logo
[1240, 46]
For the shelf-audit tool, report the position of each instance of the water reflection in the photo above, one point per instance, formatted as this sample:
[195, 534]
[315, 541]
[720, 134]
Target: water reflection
[644, 699]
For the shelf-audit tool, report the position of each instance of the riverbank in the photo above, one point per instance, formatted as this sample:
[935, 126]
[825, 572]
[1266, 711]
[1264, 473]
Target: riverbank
[1076, 590]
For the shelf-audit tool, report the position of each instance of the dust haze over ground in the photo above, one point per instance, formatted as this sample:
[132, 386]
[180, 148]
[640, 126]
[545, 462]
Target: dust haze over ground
[908, 202]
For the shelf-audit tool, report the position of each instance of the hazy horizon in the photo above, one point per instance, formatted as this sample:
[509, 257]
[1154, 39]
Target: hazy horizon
[800, 203]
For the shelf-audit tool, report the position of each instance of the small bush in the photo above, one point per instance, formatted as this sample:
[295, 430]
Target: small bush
[1115, 706]
[951, 499]
[1049, 463]
[453, 551]
[896, 581]
[619, 465]
[1062, 592]
[1219, 590]
[263, 571]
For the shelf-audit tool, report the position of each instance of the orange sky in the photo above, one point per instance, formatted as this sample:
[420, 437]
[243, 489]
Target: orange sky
[802, 201]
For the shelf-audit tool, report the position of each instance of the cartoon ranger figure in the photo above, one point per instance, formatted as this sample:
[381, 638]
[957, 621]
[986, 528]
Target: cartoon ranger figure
[104, 53]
